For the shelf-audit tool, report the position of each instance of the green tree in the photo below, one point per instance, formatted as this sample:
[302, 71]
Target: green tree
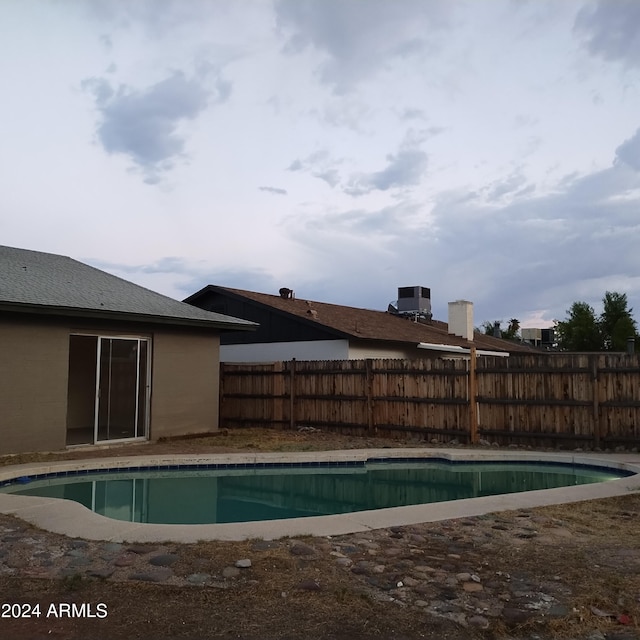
[488, 328]
[512, 332]
[581, 330]
[616, 321]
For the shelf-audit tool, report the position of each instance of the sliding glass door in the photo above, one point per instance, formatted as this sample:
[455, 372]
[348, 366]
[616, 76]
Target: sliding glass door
[121, 409]
[116, 373]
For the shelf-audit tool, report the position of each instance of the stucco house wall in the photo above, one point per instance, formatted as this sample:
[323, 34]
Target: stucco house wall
[35, 391]
[185, 381]
[33, 386]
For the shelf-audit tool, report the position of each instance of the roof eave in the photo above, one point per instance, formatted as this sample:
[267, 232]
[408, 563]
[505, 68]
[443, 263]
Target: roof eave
[450, 348]
[98, 314]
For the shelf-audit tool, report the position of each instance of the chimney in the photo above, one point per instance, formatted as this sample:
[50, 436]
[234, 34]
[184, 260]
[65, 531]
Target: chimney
[461, 319]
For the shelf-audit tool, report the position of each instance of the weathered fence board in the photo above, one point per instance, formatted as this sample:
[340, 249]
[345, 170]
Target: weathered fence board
[570, 400]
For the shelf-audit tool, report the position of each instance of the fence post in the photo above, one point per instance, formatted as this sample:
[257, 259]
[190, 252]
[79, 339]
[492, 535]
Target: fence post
[292, 382]
[220, 393]
[369, 384]
[473, 400]
[278, 394]
[595, 391]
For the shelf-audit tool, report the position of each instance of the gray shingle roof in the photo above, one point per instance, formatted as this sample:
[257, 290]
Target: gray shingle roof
[35, 282]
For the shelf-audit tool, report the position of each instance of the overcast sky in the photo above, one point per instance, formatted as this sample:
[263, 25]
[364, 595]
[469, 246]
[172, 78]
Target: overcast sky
[487, 149]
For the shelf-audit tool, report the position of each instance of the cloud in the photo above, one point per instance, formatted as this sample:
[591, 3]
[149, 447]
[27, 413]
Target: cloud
[512, 185]
[413, 114]
[359, 38]
[158, 20]
[509, 255]
[629, 152]
[319, 157]
[274, 190]
[404, 169]
[365, 224]
[143, 123]
[540, 252]
[611, 29]
[320, 165]
[180, 277]
[330, 176]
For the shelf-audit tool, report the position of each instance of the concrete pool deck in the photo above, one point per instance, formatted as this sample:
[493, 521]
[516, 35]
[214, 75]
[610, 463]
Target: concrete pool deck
[74, 520]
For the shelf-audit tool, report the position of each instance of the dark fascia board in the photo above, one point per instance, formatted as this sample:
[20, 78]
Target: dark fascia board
[75, 312]
[197, 294]
[285, 314]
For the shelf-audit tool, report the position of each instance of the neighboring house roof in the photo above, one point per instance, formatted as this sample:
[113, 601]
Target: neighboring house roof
[45, 283]
[366, 324]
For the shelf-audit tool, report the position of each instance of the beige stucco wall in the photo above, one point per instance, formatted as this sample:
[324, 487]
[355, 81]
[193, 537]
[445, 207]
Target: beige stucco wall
[185, 383]
[34, 374]
[33, 386]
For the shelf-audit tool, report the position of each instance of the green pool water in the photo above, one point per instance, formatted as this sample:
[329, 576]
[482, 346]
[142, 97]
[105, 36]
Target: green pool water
[241, 495]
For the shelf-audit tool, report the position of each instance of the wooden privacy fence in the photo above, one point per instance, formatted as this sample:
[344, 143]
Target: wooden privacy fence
[567, 400]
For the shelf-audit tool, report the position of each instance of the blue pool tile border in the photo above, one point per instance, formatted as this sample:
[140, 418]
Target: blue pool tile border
[298, 465]
[550, 463]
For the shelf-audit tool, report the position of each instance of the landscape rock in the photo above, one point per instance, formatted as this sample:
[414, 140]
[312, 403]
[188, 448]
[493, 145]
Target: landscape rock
[161, 574]
[480, 622]
[515, 616]
[163, 560]
[125, 560]
[301, 549]
[309, 585]
[141, 549]
[101, 573]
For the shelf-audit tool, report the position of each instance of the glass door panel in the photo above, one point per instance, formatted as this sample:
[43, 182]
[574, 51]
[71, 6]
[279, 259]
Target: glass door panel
[143, 388]
[121, 393]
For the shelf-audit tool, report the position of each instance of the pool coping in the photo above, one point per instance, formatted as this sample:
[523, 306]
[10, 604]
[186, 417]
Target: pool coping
[74, 520]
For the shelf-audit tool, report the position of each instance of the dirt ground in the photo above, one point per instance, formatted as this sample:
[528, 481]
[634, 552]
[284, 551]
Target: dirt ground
[586, 554]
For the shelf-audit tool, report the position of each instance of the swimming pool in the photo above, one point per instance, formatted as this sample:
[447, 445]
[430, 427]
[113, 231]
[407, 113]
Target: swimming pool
[72, 518]
[212, 494]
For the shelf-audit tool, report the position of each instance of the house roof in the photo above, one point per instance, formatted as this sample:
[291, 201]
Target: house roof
[367, 324]
[45, 283]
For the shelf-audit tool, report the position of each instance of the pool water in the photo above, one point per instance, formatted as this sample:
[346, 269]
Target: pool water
[200, 496]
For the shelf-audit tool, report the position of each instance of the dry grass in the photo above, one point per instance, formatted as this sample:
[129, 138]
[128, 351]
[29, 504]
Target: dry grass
[223, 442]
